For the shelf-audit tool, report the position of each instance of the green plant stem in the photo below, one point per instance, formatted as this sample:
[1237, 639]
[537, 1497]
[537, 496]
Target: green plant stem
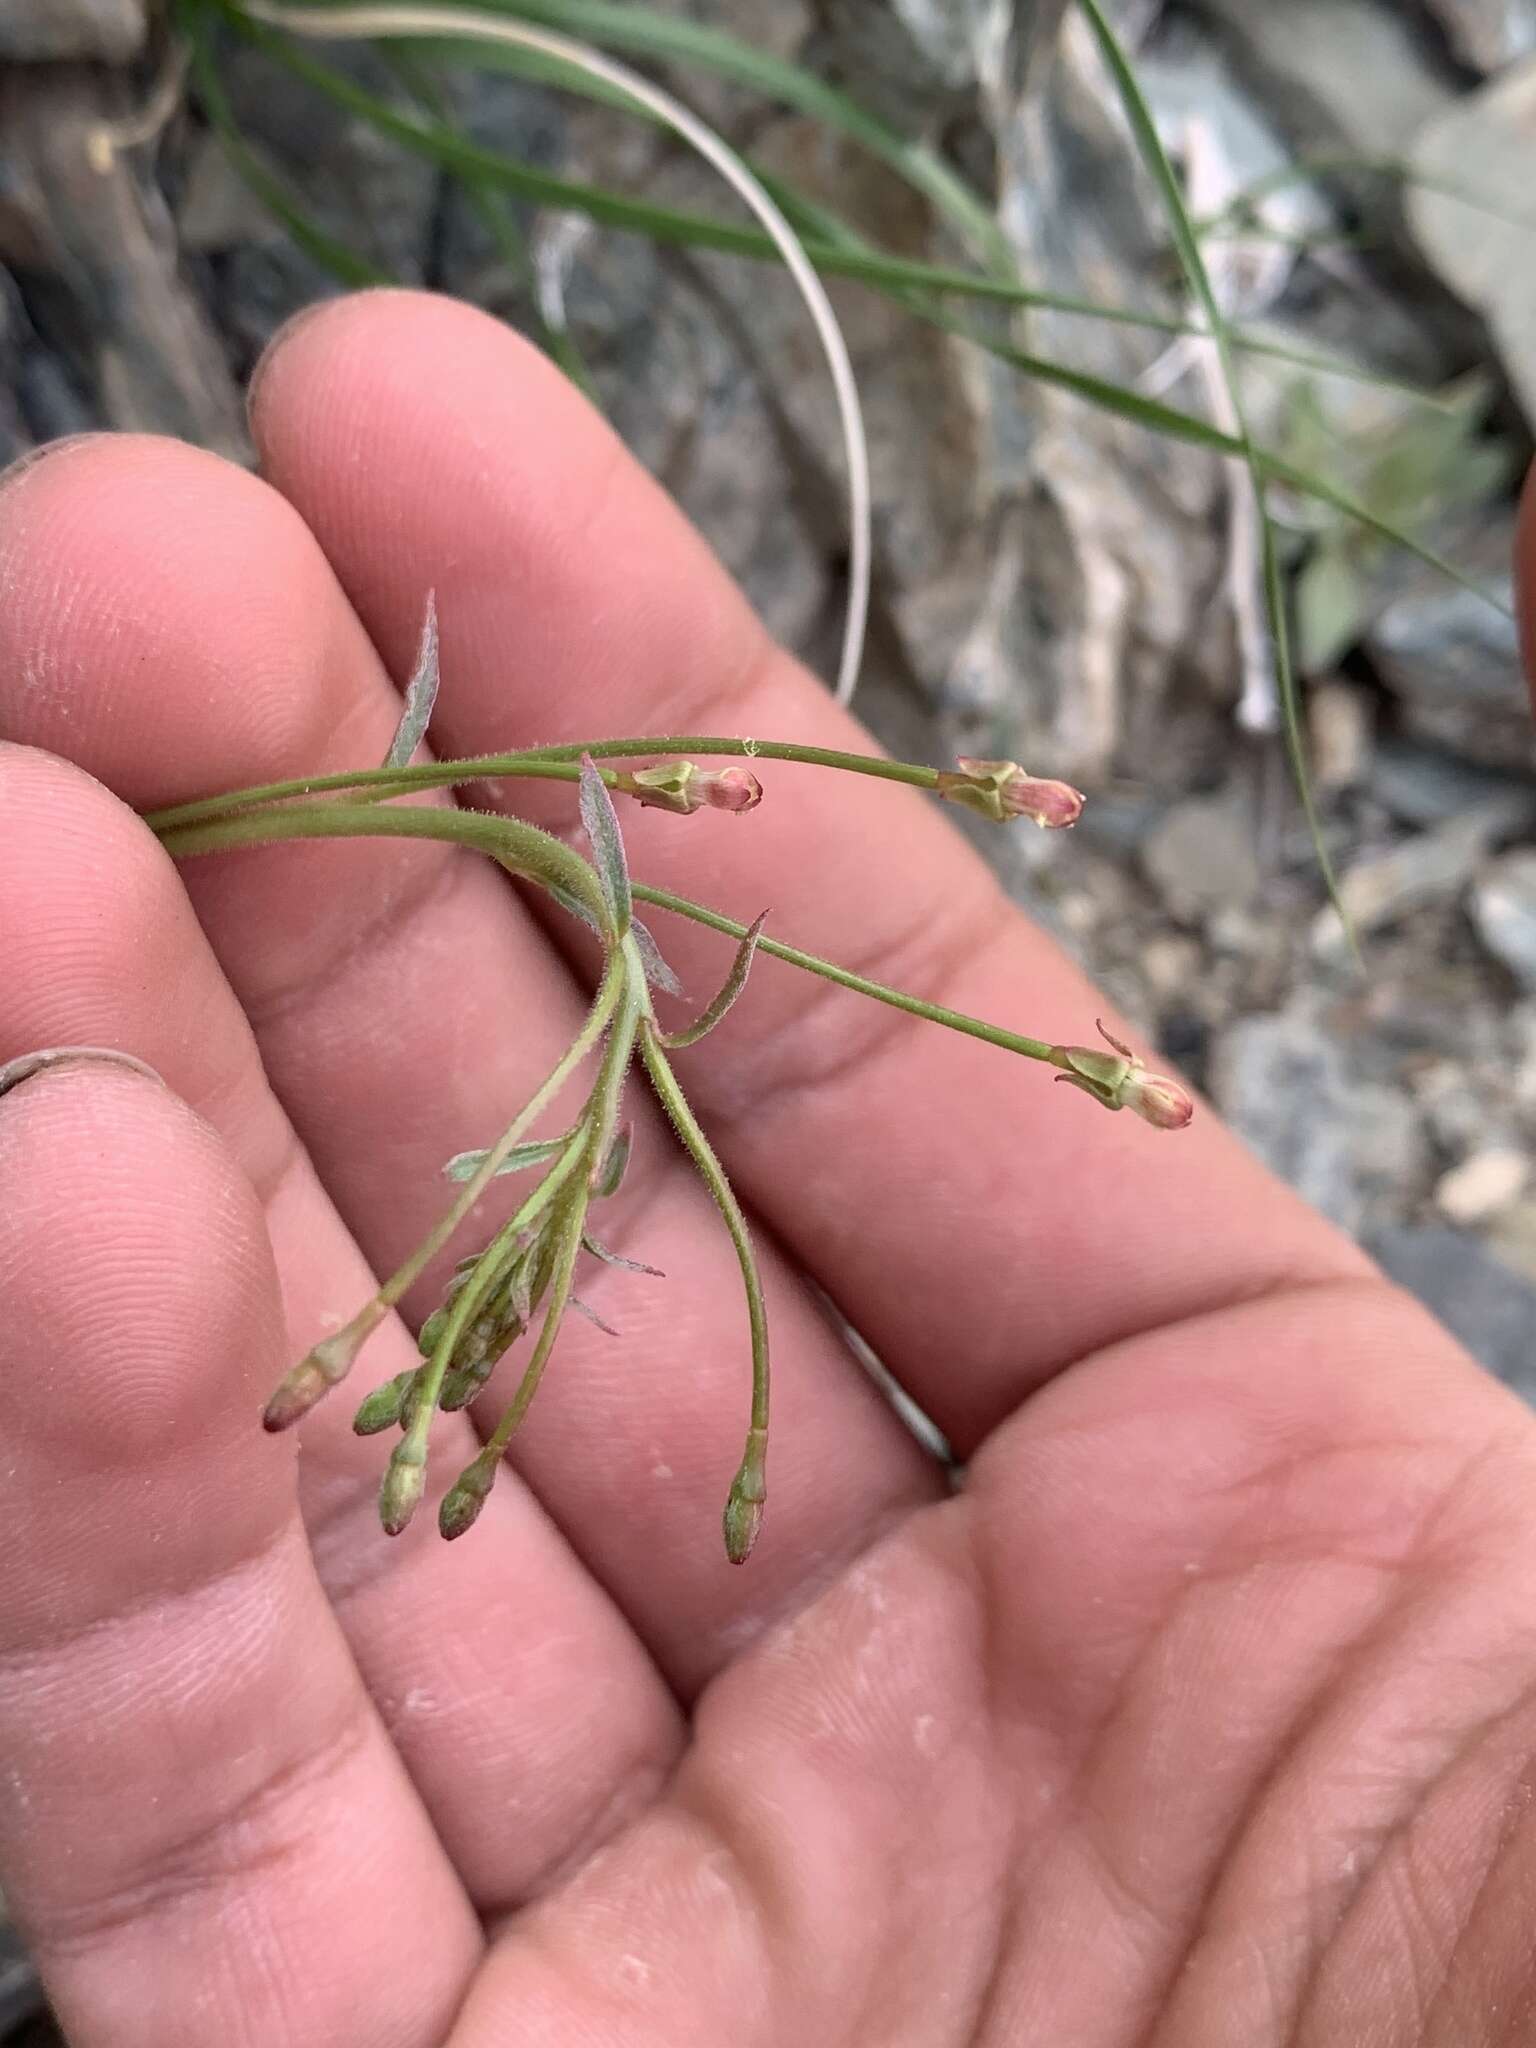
[934, 1013]
[473, 828]
[523, 850]
[686, 1124]
[488, 1269]
[596, 1022]
[596, 1139]
[552, 764]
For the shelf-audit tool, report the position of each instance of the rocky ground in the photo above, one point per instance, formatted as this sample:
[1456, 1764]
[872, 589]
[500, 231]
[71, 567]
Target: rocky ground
[1050, 583]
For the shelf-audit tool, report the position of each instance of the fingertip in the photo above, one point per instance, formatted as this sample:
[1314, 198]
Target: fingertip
[142, 1329]
[166, 616]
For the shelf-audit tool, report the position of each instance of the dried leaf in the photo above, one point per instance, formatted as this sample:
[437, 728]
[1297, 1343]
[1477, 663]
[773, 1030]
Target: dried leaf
[601, 1251]
[420, 694]
[592, 1316]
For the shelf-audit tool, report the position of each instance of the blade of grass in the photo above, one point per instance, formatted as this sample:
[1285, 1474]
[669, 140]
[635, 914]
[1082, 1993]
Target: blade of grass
[370, 22]
[644, 32]
[835, 250]
[1187, 243]
[443, 145]
[495, 216]
[333, 256]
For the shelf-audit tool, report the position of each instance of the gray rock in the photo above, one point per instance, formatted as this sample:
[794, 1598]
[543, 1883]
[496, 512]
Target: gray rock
[1486, 1304]
[100, 31]
[1201, 858]
[377, 199]
[1485, 146]
[1422, 785]
[1431, 867]
[1351, 1147]
[1348, 74]
[1451, 657]
[1488, 34]
[1504, 910]
[86, 219]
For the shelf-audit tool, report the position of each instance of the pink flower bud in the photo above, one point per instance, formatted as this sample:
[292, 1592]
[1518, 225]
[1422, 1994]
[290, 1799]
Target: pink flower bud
[1119, 1080]
[1159, 1100]
[1002, 789]
[730, 789]
[685, 787]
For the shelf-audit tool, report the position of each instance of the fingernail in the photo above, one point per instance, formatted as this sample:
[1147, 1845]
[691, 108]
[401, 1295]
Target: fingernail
[15, 471]
[14, 1072]
[274, 349]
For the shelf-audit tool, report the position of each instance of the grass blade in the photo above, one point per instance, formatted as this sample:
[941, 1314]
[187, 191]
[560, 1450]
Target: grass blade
[495, 216]
[834, 249]
[644, 32]
[333, 256]
[370, 22]
[443, 145]
[1187, 243]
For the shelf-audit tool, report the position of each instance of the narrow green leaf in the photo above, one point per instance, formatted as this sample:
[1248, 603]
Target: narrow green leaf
[601, 823]
[346, 265]
[647, 32]
[732, 987]
[465, 1165]
[663, 224]
[492, 209]
[835, 250]
[420, 694]
[1192, 260]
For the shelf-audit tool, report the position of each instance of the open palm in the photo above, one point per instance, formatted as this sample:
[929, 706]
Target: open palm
[1203, 1714]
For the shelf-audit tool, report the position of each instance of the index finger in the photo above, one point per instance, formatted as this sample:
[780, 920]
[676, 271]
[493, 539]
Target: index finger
[954, 1204]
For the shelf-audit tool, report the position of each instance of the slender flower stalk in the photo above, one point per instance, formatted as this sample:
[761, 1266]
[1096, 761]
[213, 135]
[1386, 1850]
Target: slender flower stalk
[744, 1504]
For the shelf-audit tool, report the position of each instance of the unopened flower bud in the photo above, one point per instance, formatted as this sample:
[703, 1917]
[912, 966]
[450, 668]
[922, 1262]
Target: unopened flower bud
[404, 1479]
[468, 1494]
[318, 1371]
[685, 787]
[1002, 789]
[1118, 1080]
[1160, 1100]
[744, 1504]
[383, 1408]
[730, 789]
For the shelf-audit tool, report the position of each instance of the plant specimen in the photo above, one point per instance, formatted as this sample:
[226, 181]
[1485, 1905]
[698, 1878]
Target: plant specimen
[522, 1282]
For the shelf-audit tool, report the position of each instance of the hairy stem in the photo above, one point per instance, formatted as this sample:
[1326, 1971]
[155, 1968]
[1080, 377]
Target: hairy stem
[675, 1103]
[550, 764]
[935, 1013]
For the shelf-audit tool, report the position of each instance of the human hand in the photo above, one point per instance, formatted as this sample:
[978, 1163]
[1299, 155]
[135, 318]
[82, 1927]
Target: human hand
[1203, 1715]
